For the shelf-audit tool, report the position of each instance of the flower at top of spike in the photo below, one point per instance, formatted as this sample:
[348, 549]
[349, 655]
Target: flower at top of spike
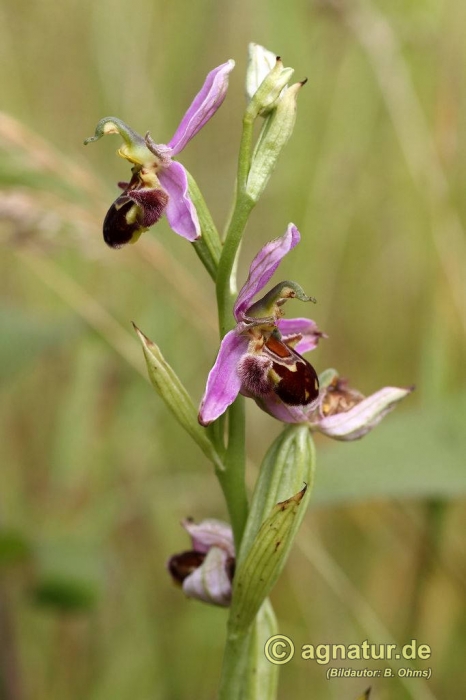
[206, 571]
[260, 356]
[159, 184]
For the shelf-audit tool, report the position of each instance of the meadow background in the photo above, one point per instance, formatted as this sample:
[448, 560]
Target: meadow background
[95, 476]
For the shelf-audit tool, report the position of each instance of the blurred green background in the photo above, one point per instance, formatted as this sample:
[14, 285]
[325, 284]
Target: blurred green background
[95, 475]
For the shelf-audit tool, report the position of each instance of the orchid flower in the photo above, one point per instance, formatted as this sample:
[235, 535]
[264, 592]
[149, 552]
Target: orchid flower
[342, 413]
[159, 184]
[206, 571]
[259, 357]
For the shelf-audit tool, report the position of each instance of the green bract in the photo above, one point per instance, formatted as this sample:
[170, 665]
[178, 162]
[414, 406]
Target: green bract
[169, 387]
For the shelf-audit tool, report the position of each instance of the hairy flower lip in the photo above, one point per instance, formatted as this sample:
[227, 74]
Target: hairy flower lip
[133, 212]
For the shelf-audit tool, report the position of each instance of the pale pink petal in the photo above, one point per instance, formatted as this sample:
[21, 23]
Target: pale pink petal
[210, 533]
[203, 107]
[223, 382]
[360, 419]
[210, 582]
[305, 327]
[263, 266]
[181, 212]
[286, 414]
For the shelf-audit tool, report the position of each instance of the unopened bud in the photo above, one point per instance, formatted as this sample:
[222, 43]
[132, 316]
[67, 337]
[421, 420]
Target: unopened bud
[276, 131]
[264, 562]
[260, 63]
[288, 464]
[266, 80]
[274, 519]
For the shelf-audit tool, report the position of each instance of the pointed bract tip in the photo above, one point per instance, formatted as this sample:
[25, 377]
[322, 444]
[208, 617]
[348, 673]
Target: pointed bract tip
[296, 498]
[142, 337]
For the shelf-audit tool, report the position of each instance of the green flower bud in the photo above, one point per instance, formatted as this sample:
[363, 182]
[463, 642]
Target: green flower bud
[275, 133]
[260, 63]
[170, 388]
[273, 521]
[266, 80]
[288, 464]
[264, 562]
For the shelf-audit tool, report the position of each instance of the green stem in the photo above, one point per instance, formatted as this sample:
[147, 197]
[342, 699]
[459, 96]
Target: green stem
[232, 477]
[241, 211]
[225, 282]
[245, 151]
[235, 661]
